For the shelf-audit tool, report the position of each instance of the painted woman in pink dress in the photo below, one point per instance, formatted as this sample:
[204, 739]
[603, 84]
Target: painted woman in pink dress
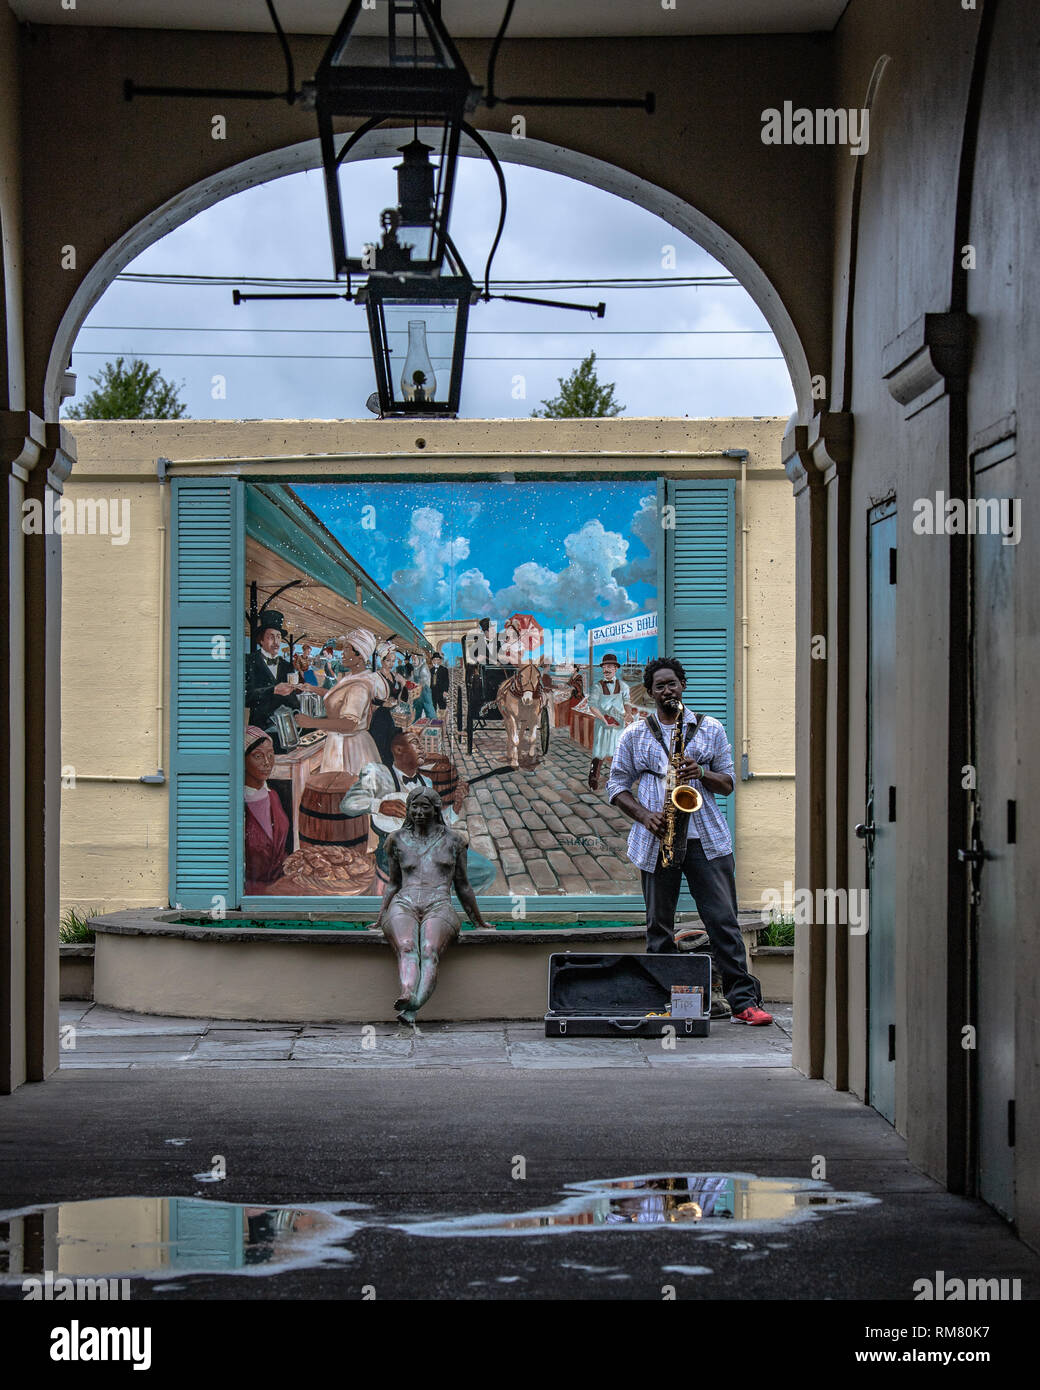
[348, 707]
[266, 824]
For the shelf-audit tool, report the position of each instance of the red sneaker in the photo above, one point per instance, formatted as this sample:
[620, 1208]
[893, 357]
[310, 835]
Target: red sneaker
[756, 1017]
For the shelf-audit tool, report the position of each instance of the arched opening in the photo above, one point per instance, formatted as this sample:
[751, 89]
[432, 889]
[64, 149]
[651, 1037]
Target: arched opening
[564, 746]
[383, 144]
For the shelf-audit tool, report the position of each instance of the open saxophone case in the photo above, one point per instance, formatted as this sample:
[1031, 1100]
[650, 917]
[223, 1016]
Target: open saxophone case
[628, 995]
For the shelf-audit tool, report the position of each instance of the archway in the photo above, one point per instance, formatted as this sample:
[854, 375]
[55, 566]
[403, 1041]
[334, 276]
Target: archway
[553, 159]
[383, 144]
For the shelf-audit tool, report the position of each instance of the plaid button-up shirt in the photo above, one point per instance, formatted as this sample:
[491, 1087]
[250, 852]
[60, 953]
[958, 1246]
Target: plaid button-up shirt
[640, 758]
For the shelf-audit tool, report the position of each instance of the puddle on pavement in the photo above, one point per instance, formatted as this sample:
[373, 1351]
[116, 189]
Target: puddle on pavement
[161, 1237]
[157, 1237]
[706, 1201]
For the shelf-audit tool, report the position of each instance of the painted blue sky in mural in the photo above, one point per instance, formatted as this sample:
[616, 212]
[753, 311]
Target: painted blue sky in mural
[575, 554]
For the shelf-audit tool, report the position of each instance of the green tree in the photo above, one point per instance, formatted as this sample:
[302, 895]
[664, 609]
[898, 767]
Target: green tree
[581, 396]
[134, 392]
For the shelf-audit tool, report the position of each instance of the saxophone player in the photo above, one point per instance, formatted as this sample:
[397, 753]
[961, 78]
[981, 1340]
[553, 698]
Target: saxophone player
[698, 845]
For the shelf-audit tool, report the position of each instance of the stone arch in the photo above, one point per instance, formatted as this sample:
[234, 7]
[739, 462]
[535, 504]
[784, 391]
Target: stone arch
[384, 144]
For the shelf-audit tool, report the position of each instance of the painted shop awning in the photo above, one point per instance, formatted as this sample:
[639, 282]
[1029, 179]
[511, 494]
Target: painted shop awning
[286, 541]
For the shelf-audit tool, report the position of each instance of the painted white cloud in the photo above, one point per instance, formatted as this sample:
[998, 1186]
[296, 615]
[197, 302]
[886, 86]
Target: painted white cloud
[645, 528]
[423, 587]
[586, 591]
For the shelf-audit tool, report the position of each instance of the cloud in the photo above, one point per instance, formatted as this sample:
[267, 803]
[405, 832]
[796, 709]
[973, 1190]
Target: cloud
[310, 360]
[645, 528]
[585, 590]
[422, 588]
[473, 596]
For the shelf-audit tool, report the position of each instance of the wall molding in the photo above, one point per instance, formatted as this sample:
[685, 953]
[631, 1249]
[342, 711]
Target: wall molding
[929, 360]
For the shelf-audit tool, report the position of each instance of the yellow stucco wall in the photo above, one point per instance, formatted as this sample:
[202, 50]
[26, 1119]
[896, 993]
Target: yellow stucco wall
[114, 834]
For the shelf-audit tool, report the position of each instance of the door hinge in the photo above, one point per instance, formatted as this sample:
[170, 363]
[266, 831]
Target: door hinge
[1012, 822]
[891, 564]
[891, 1042]
[891, 804]
[1011, 1124]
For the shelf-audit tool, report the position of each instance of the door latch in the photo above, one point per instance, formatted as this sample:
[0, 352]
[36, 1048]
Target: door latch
[866, 832]
[866, 829]
[975, 856]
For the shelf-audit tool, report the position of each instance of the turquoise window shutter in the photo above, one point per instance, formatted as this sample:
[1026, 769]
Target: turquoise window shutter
[699, 598]
[206, 691]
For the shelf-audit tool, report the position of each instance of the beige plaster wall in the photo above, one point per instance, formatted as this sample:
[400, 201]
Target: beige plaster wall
[114, 834]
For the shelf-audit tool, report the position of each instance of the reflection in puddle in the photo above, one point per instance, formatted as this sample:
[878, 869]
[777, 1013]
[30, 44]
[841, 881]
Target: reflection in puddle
[160, 1236]
[702, 1200]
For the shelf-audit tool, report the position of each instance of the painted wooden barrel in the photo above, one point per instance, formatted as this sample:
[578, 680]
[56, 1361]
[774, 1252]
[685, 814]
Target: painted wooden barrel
[321, 820]
[444, 776]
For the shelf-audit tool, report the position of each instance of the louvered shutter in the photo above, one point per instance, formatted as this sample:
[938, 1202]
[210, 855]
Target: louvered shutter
[699, 609]
[206, 691]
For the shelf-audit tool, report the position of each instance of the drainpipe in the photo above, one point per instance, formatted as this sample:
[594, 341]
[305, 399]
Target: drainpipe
[742, 454]
[151, 779]
[160, 663]
[746, 775]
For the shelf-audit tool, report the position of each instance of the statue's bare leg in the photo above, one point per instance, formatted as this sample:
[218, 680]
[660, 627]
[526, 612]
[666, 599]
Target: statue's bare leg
[402, 930]
[435, 934]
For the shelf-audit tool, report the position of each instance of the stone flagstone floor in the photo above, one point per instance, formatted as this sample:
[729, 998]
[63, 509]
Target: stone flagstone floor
[95, 1037]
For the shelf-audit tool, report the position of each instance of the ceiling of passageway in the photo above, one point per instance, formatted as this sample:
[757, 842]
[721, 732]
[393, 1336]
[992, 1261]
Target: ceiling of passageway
[465, 18]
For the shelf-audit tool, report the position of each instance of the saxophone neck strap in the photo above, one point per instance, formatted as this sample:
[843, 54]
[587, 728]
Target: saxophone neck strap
[655, 729]
[698, 720]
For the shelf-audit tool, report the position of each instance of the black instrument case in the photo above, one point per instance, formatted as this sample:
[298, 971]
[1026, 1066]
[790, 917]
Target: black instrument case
[609, 996]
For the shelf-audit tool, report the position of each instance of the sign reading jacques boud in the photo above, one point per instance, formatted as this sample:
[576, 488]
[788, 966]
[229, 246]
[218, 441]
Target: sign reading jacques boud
[643, 626]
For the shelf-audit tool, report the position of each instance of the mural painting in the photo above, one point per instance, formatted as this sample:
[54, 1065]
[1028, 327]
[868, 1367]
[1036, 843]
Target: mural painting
[485, 640]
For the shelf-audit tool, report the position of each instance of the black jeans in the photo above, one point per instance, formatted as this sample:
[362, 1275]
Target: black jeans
[713, 888]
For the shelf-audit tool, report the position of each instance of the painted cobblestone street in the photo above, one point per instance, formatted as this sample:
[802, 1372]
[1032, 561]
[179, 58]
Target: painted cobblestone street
[544, 828]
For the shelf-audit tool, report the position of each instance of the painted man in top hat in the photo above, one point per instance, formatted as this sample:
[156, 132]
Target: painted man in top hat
[267, 674]
[440, 680]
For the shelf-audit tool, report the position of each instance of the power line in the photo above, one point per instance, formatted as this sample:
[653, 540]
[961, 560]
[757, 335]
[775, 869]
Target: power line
[472, 333]
[303, 282]
[367, 357]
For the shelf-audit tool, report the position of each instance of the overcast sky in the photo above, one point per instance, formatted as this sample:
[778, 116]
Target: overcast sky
[312, 360]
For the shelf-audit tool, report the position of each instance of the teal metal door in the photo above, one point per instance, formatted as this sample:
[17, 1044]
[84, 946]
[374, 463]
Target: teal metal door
[878, 828]
[992, 853]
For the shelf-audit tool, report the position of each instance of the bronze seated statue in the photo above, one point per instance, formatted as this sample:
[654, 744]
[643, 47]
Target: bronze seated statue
[425, 859]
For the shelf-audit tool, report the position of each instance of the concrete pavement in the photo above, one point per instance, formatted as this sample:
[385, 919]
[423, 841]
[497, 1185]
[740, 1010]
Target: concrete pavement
[435, 1131]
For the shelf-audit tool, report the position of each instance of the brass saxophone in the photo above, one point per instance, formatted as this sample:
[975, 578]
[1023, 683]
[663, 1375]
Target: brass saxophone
[680, 799]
